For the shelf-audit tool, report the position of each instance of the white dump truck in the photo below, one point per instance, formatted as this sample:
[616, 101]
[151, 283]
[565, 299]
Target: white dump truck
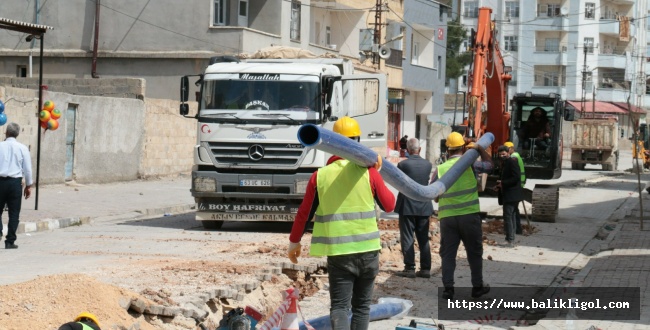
[595, 141]
[248, 162]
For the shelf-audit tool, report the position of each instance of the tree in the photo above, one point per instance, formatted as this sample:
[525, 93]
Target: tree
[457, 58]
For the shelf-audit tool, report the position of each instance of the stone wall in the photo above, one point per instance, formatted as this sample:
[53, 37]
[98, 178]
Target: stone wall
[111, 87]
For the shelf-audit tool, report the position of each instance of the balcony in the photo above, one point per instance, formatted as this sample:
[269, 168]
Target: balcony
[609, 27]
[612, 94]
[612, 61]
[552, 23]
[550, 55]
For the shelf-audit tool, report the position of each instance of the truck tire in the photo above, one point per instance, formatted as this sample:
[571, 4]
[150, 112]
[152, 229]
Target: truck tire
[575, 166]
[212, 224]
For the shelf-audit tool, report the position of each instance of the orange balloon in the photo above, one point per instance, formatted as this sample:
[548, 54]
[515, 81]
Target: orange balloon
[56, 113]
[53, 124]
[44, 116]
[48, 105]
[44, 124]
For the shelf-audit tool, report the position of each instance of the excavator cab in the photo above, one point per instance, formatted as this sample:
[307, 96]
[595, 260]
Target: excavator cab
[536, 132]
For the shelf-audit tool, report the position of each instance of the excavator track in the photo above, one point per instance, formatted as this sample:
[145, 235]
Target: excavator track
[545, 200]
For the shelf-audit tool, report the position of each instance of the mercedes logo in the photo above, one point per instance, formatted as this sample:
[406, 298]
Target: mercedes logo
[256, 152]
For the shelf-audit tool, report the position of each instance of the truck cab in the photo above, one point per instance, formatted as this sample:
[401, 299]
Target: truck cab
[248, 163]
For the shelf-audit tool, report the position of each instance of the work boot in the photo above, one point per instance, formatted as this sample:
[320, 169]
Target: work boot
[448, 294]
[10, 246]
[478, 291]
[410, 273]
[424, 273]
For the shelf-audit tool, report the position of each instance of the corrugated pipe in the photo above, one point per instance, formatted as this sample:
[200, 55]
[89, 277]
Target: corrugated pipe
[93, 72]
[312, 136]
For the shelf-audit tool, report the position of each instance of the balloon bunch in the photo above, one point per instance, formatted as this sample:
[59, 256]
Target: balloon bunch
[49, 116]
[3, 116]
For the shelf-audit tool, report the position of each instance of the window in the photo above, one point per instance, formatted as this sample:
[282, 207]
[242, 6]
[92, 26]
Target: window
[219, 14]
[402, 44]
[415, 52]
[295, 20]
[328, 35]
[464, 81]
[512, 9]
[471, 9]
[552, 45]
[549, 10]
[589, 82]
[590, 10]
[439, 67]
[589, 45]
[21, 71]
[510, 43]
[243, 7]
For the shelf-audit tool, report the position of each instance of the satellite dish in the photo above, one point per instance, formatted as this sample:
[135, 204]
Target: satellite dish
[564, 11]
[384, 52]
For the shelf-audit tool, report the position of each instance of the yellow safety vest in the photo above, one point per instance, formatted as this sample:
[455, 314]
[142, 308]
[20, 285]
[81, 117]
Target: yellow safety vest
[462, 197]
[521, 167]
[345, 221]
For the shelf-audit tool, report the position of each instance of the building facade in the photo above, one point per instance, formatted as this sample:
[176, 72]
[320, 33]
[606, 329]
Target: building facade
[580, 49]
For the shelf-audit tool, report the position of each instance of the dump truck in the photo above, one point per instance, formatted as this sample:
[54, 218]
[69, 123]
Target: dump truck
[594, 141]
[248, 162]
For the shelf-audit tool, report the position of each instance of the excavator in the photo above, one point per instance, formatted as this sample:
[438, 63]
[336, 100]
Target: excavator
[487, 99]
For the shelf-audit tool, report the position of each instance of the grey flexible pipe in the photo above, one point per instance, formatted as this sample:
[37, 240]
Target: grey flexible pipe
[312, 136]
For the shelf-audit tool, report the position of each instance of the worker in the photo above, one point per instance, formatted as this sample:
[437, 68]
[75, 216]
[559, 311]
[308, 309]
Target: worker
[458, 213]
[510, 193]
[83, 321]
[522, 169]
[342, 198]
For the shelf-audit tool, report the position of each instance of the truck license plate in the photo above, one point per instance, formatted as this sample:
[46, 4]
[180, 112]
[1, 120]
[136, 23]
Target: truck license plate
[245, 216]
[254, 183]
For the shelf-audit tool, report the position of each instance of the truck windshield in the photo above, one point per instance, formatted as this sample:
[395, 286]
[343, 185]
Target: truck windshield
[285, 95]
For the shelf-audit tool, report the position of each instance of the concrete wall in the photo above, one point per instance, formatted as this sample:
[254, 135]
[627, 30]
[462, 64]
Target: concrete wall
[116, 139]
[118, 87]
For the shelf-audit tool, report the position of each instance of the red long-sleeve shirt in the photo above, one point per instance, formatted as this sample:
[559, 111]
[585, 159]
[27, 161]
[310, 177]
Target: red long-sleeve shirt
[383, 196]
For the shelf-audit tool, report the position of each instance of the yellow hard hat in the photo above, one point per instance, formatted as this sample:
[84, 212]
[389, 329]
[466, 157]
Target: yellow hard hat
[509, 144]
[455, 140]
[347, 126]
[87, 315]
[471, 145]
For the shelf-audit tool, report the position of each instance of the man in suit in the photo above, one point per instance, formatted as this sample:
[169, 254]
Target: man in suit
[414, 215]
[510, 193]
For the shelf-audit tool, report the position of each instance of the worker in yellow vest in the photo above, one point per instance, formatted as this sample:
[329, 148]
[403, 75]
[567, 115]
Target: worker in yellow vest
[515, 154]
[341, 198]
[458, 213]
[83, 321]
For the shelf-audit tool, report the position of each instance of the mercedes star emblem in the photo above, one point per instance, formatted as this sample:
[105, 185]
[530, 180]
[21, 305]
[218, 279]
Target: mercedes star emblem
[256, 152]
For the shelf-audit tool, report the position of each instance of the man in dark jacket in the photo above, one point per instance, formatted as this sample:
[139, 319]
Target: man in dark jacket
[414, 215]
[510, 193]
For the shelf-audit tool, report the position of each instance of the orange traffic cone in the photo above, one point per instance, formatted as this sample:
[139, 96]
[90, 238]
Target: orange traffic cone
[290, 318]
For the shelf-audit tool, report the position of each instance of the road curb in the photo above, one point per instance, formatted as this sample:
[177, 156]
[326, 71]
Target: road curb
[51, 224]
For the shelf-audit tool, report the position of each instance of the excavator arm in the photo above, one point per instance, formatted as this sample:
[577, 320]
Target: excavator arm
[488, 84]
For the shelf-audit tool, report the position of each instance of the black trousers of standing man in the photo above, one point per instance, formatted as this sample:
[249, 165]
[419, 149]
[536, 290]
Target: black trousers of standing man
[409, 224]
[11, 195]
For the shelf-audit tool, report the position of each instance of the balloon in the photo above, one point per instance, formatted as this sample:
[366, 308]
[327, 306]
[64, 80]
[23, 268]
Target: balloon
[56, 113]
[3, 119]
[44, 116]
[44, 124]
[48, 105]
[52, 124]
[2, 107]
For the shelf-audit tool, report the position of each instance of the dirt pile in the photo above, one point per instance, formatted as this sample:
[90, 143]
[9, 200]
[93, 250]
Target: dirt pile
[50, 301]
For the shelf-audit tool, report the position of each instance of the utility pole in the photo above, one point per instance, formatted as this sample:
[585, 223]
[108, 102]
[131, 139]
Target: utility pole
[583, 101]
[377, 33]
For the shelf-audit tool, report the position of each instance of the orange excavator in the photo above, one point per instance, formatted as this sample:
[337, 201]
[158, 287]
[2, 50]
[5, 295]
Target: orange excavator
[537, 138]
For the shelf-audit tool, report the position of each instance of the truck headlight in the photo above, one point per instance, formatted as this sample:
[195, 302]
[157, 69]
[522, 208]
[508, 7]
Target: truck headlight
[301, 186]
[205, 184]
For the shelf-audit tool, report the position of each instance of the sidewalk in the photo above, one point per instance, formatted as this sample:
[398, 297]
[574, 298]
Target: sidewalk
[64, 205]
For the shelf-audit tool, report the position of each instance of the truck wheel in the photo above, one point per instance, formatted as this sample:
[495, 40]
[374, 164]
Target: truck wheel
[575, 166]
[212, 224]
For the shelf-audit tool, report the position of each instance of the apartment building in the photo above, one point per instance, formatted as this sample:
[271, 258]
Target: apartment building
[163, 40]
[581, 49]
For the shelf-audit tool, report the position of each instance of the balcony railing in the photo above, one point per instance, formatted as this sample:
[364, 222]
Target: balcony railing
[613, 50]
[561, 48]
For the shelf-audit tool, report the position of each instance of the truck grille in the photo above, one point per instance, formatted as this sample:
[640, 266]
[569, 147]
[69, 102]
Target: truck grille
[256, 154]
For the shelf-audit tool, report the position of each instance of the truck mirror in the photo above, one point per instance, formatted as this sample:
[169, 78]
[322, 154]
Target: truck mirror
[185, 89]
[569, 114]
[185, 109]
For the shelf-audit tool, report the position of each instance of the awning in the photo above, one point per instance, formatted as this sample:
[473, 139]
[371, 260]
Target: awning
[633, 108]
[600, 107]
[25, 27]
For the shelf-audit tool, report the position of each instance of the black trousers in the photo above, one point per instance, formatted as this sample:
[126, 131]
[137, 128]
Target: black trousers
[453, 230]
[418, 225]
[11, 195]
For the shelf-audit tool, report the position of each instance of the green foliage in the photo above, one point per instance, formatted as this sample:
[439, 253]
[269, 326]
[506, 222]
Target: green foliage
[457, 58]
